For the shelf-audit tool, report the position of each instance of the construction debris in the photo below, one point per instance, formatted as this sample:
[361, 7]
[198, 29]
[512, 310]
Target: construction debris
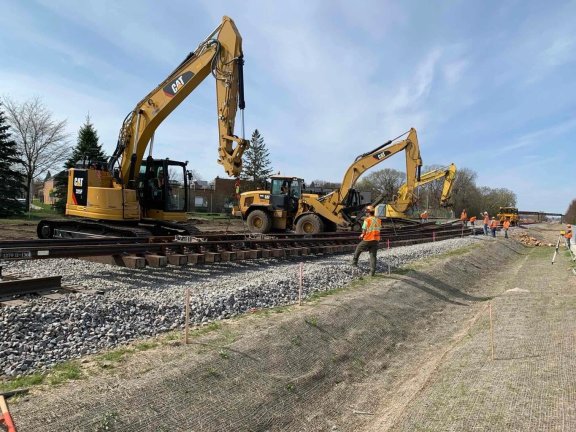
[527, 240]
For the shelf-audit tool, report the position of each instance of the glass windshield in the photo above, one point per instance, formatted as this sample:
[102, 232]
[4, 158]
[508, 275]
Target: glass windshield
[278, 186]
[176, 192]
[295, 189]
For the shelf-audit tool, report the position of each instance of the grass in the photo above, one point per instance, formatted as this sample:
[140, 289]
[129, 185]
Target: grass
[312, 321]
[45, 212]
[63, 372]
[23, 382]
[59, 374]
[116, 355]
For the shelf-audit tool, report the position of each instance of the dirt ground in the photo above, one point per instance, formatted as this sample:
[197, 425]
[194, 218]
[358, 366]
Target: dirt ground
[403, 352]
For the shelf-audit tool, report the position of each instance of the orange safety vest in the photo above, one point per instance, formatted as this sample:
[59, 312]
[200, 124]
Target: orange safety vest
[568, 234]
[473, 219]
[371, 228]
[424, 215]
[463, 216]
[486, 220]
[506, 224]
[494, 224]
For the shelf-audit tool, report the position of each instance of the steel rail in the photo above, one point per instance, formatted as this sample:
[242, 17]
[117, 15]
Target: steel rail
[7, 244]
[69, 250]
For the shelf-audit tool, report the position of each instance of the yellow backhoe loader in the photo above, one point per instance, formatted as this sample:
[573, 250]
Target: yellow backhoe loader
[510, 213]
[134, 196]
[284, 206]
[406, 196]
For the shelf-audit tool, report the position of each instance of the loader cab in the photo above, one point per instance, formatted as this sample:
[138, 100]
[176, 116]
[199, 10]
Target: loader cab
[163, 187]
[285, 192]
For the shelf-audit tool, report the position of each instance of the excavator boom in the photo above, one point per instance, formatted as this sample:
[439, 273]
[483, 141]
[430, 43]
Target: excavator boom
[448, 173]
[330, 206]
[220, 54]
[136, 196]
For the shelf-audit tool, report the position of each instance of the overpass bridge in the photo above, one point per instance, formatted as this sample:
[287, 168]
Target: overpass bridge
[540, 215]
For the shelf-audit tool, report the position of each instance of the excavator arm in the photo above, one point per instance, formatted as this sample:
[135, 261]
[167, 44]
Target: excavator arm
[448, 173]
[330, 206]
[219, 54]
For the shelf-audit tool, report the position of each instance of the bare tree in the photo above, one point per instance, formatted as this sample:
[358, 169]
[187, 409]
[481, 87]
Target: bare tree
[383, 184]
[41, 141]
[465, 193]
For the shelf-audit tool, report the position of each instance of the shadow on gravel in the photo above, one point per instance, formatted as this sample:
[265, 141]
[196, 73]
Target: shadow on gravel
[423, 282]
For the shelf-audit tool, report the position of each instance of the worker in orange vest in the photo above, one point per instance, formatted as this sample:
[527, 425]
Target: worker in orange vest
[472, 222]
[424, 216]
[486, 222]
[370, 237]
[506, 225]
[464, 217]
[568, 235]
[494, 226]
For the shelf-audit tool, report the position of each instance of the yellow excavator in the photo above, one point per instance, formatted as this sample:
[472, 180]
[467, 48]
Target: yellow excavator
[286, 207]
[406, 196]
[133, 196]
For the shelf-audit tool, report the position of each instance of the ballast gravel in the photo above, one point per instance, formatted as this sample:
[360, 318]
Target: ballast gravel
[138, 303]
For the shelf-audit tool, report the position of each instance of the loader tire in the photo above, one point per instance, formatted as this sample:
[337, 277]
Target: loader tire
[259, 221]
[309, 224]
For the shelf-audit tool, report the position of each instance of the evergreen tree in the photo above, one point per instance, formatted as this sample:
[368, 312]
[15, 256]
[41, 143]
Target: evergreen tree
[256, 166]
[87, 151]
[12, 181]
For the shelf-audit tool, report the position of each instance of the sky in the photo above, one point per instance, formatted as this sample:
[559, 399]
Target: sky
[489, 86]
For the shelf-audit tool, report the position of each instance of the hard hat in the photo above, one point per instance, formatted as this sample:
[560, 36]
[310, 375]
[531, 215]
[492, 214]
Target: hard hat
[370, 208]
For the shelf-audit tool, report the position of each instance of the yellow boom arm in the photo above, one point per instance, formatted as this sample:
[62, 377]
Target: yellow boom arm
[330, 206]
[220, 54]
[449, 174]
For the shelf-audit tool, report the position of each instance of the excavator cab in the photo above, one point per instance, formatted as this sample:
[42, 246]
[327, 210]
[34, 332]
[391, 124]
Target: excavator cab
[163, 189]
[285, 193]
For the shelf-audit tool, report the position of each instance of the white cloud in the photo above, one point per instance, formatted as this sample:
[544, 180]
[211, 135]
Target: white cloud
[453, 71]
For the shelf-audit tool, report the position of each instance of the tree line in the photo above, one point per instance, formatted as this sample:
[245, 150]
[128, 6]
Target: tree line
[466, 194]
[32, 142]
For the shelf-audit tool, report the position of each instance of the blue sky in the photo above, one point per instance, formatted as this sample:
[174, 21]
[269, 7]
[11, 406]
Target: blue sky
[489, 85]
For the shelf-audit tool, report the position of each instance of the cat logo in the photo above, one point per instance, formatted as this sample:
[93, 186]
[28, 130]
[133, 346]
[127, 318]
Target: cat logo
[78, 181]
[176, 85]
[382, 154]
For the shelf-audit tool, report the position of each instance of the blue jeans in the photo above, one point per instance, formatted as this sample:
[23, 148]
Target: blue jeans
[493, 232]
[485, 229]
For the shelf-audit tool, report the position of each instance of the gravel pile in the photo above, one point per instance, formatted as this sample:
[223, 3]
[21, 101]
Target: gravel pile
[144, 302]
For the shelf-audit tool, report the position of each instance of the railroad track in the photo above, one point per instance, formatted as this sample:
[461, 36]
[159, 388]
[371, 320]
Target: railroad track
[218, 247]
